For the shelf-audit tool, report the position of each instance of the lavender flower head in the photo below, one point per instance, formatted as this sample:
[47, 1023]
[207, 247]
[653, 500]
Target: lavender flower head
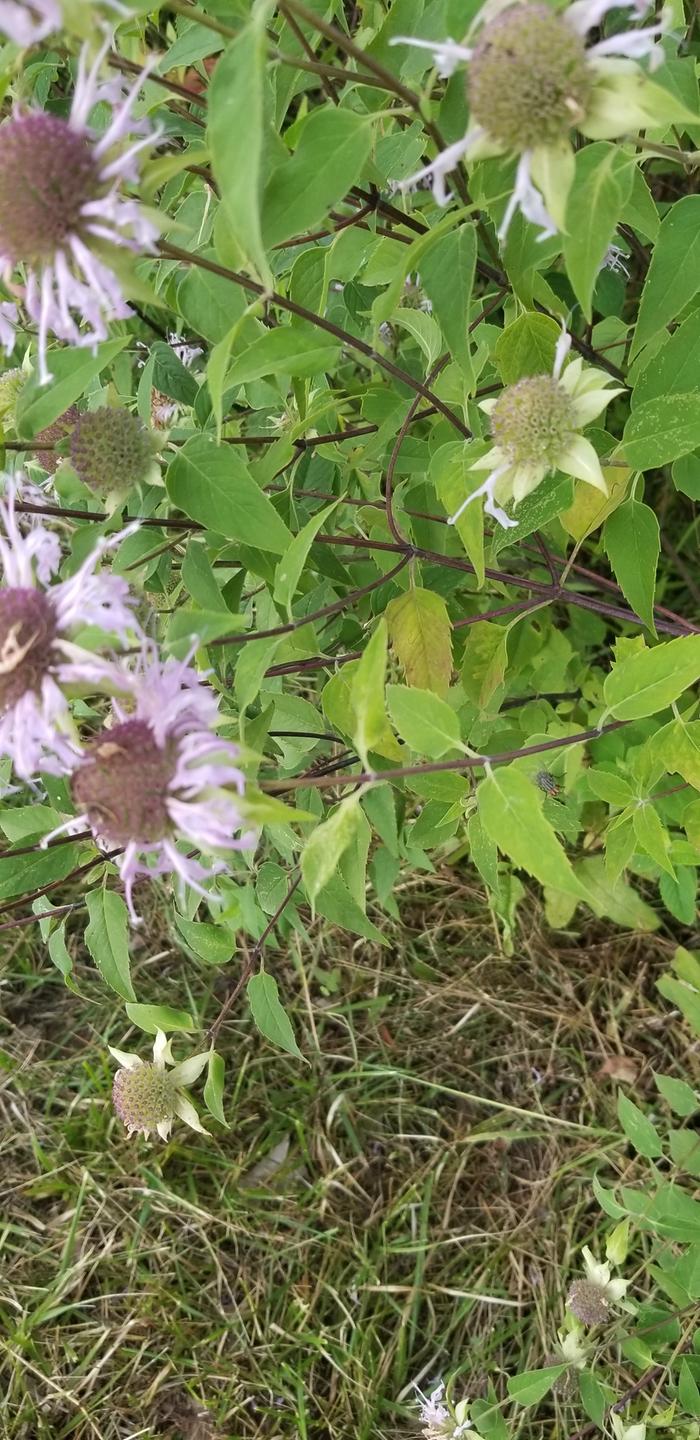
[38, 657]
[160, 775]
[63, 212]
[442, 1423]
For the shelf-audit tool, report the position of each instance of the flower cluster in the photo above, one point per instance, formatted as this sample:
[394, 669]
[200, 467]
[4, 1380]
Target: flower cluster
[148, 1095]
[532, 81]
[593, 1298]
[64, 216]
[157, 776]
[535, 425]
[443, 1422]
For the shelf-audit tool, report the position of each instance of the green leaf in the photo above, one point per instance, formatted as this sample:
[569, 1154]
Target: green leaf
[290, 567]
[613, 897]
[423, 720]
[652, 835]
[453, 480]
[683, 998]
[650, 680]
[533, 1385]
[212, 484]
[688, 1392]
[269, 1015]
[213, 1091]
[211, 943]
[679, 893]
[447, 276]
[21, 875]
[421, 636]
[159, 1017]
[336, 904]
[333, 148]
[526, 347]
[632, 544]
[677, 1094]
[286, 350]
[325, 845]
[601, 187]
[685, 1150]
[638, 1129]
[73, 371]
[612, 788]
[674, 370]
[592, 1398]
[367, 694]
[107, 939]
[236, 108]
[662, 430]
[510, 807]
[673, 277]
[553, 496]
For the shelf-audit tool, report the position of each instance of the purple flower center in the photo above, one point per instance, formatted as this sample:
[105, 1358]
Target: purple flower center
[48, 172]
[27, 632]
[122, 786]
[53, 433]
[111, 450]
[143, 1097]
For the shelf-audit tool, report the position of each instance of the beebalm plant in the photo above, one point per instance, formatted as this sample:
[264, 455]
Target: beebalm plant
[626, 1355]
[346, 518]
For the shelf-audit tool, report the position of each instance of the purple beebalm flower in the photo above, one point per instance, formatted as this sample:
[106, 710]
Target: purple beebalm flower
[39, 617]
[160, 775]
[27, 21]
[62, 208]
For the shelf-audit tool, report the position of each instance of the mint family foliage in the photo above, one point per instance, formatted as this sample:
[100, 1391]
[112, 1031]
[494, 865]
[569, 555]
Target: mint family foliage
[350, 418]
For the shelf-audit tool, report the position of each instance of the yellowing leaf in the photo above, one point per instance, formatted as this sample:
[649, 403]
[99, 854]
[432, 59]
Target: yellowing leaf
[324, 847]
[421, 636]
[590, 509]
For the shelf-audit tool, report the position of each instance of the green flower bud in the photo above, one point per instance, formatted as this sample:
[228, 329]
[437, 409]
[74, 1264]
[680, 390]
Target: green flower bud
[529, 80]
[532, 421]
[144, 1097]
[111, 451]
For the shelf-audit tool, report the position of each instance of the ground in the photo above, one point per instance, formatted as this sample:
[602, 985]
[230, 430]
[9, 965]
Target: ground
[408, 1204]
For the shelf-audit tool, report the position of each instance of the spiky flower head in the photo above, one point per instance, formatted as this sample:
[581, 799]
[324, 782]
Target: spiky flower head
[149, 1094]
[112, 451]
[39, 618]
[63, 215]
[160, 775]
[11, 383]
[531, 81]
[535, 425]
[593, 1298]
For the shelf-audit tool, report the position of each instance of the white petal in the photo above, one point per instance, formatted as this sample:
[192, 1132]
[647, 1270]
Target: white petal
[487, 405]
[588, 407]
[185, 1109]
[447, 54]
[572, 374]
[526, 478]
[492, 460]
[580, 460]
[161, 1050]
[616, 1288]
[164, 1127]
[189, 1070]
[126, 1058]
[527, 199]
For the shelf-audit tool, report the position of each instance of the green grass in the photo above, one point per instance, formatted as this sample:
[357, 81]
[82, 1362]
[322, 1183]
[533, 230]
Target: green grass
[365, 1223]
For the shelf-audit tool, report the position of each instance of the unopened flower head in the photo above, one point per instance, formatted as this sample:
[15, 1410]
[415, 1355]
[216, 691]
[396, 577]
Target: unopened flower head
[63, 213]
[593, 1298]
[531, 81]
[535, 425]
[160, 775]
[163, 410]
[149, 1094]
[39, 618]
[111, 451]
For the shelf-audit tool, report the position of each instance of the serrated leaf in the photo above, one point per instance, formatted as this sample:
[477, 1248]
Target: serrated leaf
[638, 1128]
[107, 939]
[632, 544]
[510, 807]
[286, 350]
[423, 720]
[601, 187]
[269, 1014]
[421, 636]
[650, 680]
[213, 485]
[447, 276]
[673, 277]
[526, 347]
[330, 156]
[662, 430]
[325, 846]
[235, 108]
